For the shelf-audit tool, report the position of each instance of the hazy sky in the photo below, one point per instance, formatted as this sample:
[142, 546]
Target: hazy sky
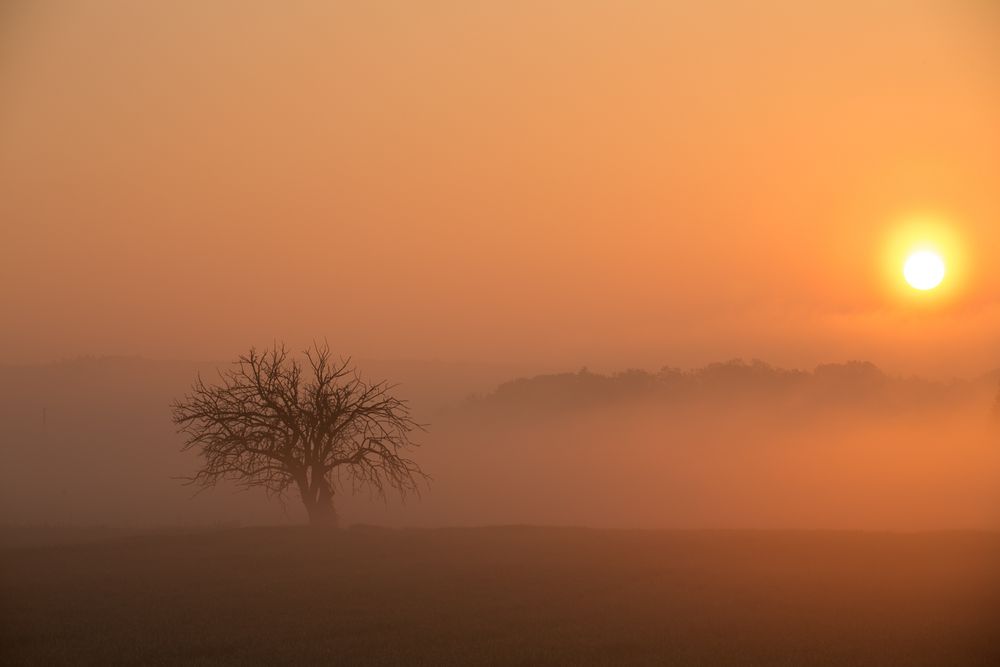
[570, 182]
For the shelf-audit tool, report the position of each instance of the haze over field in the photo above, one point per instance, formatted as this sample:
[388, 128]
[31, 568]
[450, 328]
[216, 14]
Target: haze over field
[500, 332]
[727, 446]
[499, 190]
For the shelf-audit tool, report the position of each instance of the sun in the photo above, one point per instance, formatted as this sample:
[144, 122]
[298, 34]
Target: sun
[924, 270]
[926, 250]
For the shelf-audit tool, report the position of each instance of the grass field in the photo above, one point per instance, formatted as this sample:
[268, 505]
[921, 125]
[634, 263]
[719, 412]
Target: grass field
[503, 596]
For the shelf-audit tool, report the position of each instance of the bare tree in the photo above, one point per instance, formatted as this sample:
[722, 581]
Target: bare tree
[277, 422]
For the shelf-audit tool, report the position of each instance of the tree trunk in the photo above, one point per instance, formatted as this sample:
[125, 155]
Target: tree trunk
[321, 511]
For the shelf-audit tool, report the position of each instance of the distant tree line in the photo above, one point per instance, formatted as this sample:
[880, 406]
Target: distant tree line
[856, 383]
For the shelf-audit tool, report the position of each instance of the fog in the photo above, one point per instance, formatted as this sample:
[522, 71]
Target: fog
[662, 380]
[732, 445]
[504, 190]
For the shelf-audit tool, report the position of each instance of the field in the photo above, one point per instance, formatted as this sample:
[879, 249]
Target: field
[510, 595]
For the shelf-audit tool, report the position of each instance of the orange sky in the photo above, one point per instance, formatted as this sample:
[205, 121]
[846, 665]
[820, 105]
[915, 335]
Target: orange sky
[559, 183]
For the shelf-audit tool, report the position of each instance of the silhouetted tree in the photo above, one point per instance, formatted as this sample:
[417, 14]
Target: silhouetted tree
[276, 422]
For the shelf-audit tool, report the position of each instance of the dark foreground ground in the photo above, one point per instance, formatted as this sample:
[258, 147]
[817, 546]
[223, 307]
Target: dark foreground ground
[503, 596]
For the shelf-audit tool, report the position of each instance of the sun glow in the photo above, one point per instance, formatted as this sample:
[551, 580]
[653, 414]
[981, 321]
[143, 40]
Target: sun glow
[930, 257]
[924, 270]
